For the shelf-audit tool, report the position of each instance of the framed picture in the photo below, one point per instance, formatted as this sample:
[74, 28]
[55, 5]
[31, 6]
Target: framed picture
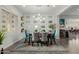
[61, 21]
[50, 21]
[43, 26]
[12, 16]
[22, 29]
[3, 21]
[12, 21]
[35, 21]
[22, 24]
[12, 26]
[3, 26]
[43, 21]
[22, 18]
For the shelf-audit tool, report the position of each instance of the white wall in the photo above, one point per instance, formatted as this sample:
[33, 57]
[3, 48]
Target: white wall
[71, 21]
[11, 37]
[30, 25]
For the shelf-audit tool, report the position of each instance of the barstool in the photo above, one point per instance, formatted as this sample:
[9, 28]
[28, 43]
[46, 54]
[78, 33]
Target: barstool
[30, 39]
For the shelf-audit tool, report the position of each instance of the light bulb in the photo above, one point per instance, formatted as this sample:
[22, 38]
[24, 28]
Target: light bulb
[40, 20]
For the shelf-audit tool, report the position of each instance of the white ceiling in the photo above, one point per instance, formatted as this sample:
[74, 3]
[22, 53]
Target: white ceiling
[73, 10]
[42, 9]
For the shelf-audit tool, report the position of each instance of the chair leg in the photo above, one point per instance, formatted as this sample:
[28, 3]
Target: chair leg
[37, 44]
[29, 42]
[32, 43]
[41, 44]
[47, 44]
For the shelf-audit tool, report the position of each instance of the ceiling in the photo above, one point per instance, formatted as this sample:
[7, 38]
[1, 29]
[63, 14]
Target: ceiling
[73, 10]
[41, 9]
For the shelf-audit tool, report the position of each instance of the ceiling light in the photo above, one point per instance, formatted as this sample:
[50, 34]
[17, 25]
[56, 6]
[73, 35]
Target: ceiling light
[40, 20]
[36, 26]
[24, 5]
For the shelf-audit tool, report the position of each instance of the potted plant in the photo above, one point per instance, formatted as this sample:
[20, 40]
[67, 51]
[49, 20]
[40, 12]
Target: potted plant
[52, 26]
[43, 30]
[1, 38]
[36, 30]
